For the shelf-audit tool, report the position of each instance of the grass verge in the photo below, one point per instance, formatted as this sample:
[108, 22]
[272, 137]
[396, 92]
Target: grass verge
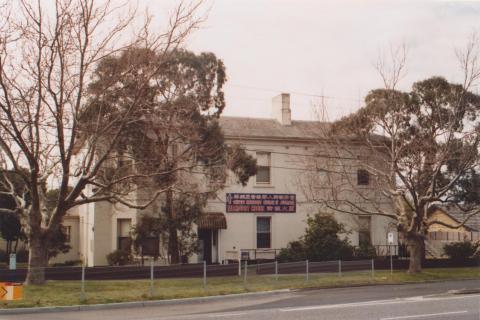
[63, 293]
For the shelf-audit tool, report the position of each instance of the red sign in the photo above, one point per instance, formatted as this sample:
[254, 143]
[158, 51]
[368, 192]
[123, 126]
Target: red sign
[261, 202]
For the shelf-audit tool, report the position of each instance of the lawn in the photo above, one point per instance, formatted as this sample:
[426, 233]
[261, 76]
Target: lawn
[61, 293]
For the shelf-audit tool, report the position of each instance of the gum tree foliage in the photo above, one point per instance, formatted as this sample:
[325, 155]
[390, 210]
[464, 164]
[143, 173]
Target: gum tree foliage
[49, 50]
[157, 226]
[176, 133]
[422, 152]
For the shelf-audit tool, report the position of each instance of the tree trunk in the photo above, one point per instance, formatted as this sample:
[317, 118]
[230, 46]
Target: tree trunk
[173, 245]
[37, 261]
[172, 230]
[416, 248]
[9, 248]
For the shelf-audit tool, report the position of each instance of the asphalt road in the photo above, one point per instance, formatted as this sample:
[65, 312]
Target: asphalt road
[395, 302]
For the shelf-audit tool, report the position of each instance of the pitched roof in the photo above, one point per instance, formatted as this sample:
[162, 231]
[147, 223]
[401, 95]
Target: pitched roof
[473, 223]
[271, 128]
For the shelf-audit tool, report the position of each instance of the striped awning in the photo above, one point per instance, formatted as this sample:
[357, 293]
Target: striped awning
[212, 220]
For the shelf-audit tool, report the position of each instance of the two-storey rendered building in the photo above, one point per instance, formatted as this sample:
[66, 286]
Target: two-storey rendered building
[250, 222]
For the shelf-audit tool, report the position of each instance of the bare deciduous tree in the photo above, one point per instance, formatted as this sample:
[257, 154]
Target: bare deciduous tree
[48, 52]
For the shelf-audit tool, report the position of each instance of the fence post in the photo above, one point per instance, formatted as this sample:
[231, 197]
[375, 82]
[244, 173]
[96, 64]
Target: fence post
[307, 276]
[151, 278]
[373, 269]
[276, 270]
[391, 263]
[82, 296]
[245, 274]
[239, 266]
[204, 274]
[339, 268]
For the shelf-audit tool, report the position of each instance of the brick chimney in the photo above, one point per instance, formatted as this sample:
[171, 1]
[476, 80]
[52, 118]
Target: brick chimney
[281, 109]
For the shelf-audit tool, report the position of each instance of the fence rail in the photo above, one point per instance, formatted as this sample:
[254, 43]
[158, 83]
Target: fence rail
[234, 269]
[299, 267]
[454, 236]
[126, 272]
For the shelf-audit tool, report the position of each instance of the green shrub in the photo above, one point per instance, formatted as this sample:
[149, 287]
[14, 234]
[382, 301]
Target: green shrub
[460, 250]
[119, 258]
[294, 251]
[476, 254]
[321, 242]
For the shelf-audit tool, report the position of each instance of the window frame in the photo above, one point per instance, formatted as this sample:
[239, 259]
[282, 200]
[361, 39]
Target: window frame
[67, 231]
[269, 219]
[363, 177]
[268, 167]
[122, 238]
[365, 231]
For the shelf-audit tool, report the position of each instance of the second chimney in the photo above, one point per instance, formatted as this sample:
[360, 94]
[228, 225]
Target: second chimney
[281, 109]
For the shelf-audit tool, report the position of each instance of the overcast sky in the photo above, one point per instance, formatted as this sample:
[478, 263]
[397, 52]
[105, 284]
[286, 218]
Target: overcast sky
[326, 47]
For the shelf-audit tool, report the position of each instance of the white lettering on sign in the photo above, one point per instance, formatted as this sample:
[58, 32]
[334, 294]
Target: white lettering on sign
[264, 202]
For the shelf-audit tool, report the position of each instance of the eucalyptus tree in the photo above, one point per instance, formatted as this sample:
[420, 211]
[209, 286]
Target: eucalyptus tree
[420, 149]
[176, 132]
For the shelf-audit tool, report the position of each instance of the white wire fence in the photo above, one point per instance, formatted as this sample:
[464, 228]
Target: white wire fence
[249, 274]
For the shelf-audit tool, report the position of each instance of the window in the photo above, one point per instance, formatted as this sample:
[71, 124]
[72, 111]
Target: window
[363, 177]
[264, 232]
[67, 230]
[364, 231]
[263, 168]
[123, 234]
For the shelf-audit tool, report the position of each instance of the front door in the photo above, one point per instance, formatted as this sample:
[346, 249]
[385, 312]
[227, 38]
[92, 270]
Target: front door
[205, 239]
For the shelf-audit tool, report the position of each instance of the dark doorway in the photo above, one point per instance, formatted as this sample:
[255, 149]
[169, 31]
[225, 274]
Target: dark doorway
[205, 245]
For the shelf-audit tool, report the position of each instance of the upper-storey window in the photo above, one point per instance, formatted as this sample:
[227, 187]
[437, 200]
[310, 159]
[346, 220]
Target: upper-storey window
[363, 177]
[263, 168]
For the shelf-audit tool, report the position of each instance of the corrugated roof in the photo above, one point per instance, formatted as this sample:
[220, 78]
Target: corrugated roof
[212, 220]
[271, 128]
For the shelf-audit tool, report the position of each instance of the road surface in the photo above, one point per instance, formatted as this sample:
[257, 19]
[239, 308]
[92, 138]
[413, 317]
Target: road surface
[386, 302]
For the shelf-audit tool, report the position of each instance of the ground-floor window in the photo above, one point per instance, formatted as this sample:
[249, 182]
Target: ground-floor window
[67, 230]
[364, 231]
[264, 233]
[124, 241]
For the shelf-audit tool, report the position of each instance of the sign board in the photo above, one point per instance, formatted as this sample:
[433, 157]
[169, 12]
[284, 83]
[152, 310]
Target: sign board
[245, 255]
[13, 261]
[261, 202]
[10, 291]
[390, 238]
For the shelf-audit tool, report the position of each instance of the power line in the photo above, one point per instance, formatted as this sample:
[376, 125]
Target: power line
[316, 95]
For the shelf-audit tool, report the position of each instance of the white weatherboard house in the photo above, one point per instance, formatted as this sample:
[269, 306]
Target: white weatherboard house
[247, 222]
